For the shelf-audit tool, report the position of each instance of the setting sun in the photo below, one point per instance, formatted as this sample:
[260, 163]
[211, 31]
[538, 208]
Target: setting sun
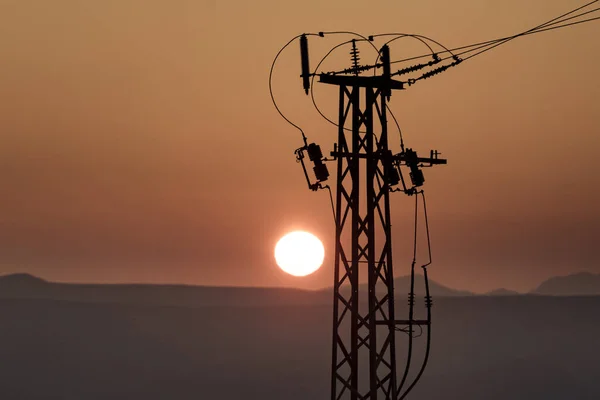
[299, 253]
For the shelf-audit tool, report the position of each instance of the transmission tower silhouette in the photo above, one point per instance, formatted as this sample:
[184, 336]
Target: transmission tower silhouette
[364, 342]
[363, 364]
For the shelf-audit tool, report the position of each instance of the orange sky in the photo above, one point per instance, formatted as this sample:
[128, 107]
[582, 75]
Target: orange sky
[139, 142]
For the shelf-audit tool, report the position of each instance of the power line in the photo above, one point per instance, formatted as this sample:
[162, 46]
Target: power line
[540, 28]
[271, 87]
[549, 25]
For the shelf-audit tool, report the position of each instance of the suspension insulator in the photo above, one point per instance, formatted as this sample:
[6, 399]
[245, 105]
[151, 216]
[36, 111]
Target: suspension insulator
[428, 301]
[412, 161]
[314, 152]
[355, 58]
[393, 177]
[417, 67]
[417, 178]
[321, 172]
[304, 63]
[316, 156]
[436, 71]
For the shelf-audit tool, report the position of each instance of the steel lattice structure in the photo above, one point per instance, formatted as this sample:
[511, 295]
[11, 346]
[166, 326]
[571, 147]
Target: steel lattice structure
[364, 342]
[371, 333]
[364, 324]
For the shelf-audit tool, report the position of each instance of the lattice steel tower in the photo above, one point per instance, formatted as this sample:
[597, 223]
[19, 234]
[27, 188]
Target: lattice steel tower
[364, 322]
[363, 166]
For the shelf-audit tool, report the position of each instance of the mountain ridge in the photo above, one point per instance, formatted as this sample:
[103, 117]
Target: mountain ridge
[502, 292]
[577, 284]
[27, 286]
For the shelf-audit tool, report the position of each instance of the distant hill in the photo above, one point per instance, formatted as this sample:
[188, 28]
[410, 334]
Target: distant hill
[21, 281]
[584, 283]
[502, 292]
[25, 286]
[402, 286]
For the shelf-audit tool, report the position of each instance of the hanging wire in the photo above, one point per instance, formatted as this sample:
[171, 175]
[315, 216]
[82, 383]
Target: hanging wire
[524, 34]
[424, 266]
[428, 344]
[271, 84]
[421, 38]
[304, 139]
[411, 298]
[397, 126]
[549, 25]
[400, 36]
[331, 199]
[554, 23]
[312, 93]
[545, 24]
[488, 45]
[406, 330]
[320, 34]
[428, 304]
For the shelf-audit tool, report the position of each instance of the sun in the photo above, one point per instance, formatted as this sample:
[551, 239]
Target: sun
[299, 253]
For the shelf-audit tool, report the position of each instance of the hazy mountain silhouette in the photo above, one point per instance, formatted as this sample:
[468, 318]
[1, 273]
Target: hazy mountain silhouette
[25, 286]
[502, 292]
[583, 283]
[21, 281]
[402, 285]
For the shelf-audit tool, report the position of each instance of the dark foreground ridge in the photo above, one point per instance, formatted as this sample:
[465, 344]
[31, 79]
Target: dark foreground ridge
[483, 347]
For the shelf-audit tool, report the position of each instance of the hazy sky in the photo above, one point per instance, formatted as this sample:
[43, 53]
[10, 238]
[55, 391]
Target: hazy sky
[139, 143]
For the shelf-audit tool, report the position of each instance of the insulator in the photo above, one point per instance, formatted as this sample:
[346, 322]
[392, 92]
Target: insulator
[352, 70]
[321, 172]
[385, 60]
[304, 63]
[411, 158]
[393, 177]
[436, 71]
[390, 170]
[412, 161]
[412, 68]
[354, 56]
[417, 178]
[314, 152]
[428, 301]
[417, 67]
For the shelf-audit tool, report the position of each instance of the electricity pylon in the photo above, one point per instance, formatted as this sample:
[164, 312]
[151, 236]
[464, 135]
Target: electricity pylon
[364, 324]
[365, 173]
